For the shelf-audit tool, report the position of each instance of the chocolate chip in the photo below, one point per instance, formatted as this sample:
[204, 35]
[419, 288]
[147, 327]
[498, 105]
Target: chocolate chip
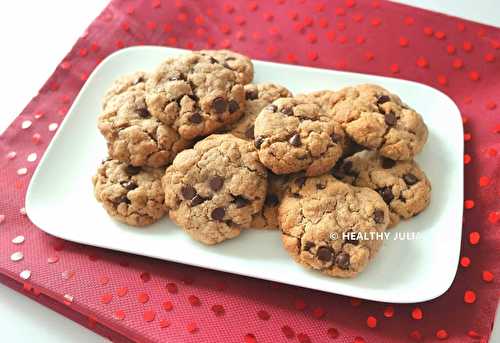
[138, 80]
[225, 65]
[390, 119]
[354, 241]
[213, 60]
[251, 95]
[386, 194]
[378, 216]
[249, 132]
[198, 199]
[258, 141]
[271, 200]
[337, 171]
[336, 138]
[343, 260]
[129, 185]
[233, 106]
[218, 213]
[230, 58]
[240, 201]
[193, 97]
[300, 181]
[132, 170]
[295, 140]
[410, 179]
[143, 112]
[287, 111]
[123, 200]
[383, 99]
[271, 108]
[320, 186]
[387, 163]
[216, 183]
[347, 168]
[195, 118]
[188, 192]
[324, 254]
[309, 245]
[219, 105]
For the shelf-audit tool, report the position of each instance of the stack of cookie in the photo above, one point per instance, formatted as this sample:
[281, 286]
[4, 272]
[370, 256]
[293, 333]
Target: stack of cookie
[332, 169]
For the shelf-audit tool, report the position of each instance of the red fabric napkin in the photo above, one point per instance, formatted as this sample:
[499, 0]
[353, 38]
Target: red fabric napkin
[128, 297]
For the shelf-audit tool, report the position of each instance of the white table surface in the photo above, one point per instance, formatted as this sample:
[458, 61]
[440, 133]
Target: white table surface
[37, 36]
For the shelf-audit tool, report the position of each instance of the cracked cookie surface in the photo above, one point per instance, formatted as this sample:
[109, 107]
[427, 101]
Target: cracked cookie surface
[376, 119]
[122, 84]
[267, 218]
[132, 195]
[327, 224]
[402, 184]
[238, 63]
[214, 189]
[195, 94]
[134, 136]
[294, 134]
[257, 97]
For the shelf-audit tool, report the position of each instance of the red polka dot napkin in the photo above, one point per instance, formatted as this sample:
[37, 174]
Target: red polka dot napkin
[126, 297]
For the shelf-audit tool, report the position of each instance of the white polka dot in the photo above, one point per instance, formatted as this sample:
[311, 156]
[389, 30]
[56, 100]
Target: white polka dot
[17, 256]
[53, 126]
[18, 239]
[22, 171]
[26, 124]
[11, 155]
[31, 157]
[25, 274]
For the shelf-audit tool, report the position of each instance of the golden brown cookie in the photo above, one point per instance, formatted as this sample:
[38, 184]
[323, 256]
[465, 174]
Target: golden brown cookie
[294, 134]
[214, 189]
[332, 226]
[132, 195]
[402, 184]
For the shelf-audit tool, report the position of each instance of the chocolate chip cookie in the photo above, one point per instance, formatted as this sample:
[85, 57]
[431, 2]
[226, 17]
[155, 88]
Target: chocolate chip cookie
[332, 226]
[402, 184]
[294, 134]
[214, 189]
[377, 120]
[132, 195]
[257, 97]
[134, 136]
[238, 63]
[195, 94]
[267, 218]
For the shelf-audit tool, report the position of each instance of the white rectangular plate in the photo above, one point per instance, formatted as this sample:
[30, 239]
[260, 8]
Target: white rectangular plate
[60, 197]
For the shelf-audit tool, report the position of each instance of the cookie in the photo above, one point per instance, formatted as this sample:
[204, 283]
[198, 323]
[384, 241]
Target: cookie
[332, 226]
[195, 95]
[257, 97]
[402, 184]
[214, 189]
[238, 63]
[377, 120]
[134, 136]
[132, 195]
[294, 134]
[267, 218]
[122, 84]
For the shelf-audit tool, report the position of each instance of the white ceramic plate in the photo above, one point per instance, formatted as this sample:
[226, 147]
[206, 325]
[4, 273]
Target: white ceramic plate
[60, 197]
